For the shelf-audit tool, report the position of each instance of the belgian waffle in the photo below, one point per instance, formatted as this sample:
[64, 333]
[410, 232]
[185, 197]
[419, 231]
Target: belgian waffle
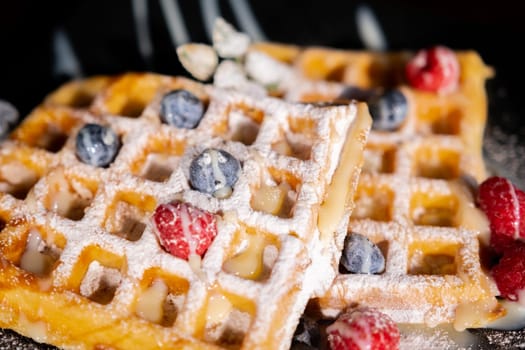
[414, 198]
[81, 266]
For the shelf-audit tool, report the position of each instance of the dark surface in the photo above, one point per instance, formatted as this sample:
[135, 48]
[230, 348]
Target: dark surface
[103, 38]
[10, 340]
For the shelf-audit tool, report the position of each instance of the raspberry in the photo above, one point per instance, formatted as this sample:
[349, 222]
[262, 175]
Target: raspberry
[509, 273]
[435, 69]
[504, 205]
[521, 200]
[363, 328]
[183, 229]
[500, 243]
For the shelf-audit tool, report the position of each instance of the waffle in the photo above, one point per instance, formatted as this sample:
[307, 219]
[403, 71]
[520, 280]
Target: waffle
[81, 266]
[415, 194]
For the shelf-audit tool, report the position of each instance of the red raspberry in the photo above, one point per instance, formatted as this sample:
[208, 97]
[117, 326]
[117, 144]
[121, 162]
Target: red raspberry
[504, 205]
[500, 243]
[184, 229]
[435, 69]
[509, 273]
[521, 200]
[363, 328]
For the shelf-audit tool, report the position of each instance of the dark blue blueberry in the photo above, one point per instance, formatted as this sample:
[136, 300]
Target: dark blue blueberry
[356, 93]
[182, 109]
[307, 334]
[8, 117]
[97, 145]
[360, 255]
[388, 110]
[214, 172]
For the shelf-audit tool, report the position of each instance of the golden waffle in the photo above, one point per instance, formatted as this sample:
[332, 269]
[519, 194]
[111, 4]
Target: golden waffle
[81, 266]
[414, 197]
[461, 114]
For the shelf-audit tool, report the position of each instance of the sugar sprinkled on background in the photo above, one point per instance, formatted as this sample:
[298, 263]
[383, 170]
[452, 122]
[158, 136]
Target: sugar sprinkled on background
[505, 155]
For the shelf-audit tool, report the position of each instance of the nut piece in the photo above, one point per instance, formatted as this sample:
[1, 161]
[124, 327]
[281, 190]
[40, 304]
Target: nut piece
[267, 71]
[199, 60]
[228, 42]
[9, 116]
[230, 74]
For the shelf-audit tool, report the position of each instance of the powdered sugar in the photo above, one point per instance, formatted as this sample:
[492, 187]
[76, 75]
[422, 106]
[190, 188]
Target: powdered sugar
[95, 255]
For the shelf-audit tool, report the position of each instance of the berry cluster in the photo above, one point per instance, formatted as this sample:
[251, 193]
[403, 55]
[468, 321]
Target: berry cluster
[504, 205]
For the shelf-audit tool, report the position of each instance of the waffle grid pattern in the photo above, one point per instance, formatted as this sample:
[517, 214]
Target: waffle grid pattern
[79, 239]
[414, 197]
[321, 74]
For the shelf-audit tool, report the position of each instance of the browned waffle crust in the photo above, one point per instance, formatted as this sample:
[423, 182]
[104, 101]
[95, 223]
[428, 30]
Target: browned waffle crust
[80, 265]
[414, 197]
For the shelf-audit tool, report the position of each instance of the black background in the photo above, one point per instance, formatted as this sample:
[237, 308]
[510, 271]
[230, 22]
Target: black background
[103, 36]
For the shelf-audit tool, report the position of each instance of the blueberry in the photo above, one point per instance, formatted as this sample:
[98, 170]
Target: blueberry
[8, 117]
[214, 172]
[388, 110]
[307, 334]
[356, 93]
[182, 109]
[97, 145]
[360, 255]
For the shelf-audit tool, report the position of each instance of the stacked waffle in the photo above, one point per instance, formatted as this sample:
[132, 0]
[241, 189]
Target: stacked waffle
[84, 265]
[415, 195]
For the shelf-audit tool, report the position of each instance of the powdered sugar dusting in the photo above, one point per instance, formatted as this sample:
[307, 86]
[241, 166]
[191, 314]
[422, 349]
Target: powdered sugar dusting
[440, 337]
[407, 173]
[96, 253]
